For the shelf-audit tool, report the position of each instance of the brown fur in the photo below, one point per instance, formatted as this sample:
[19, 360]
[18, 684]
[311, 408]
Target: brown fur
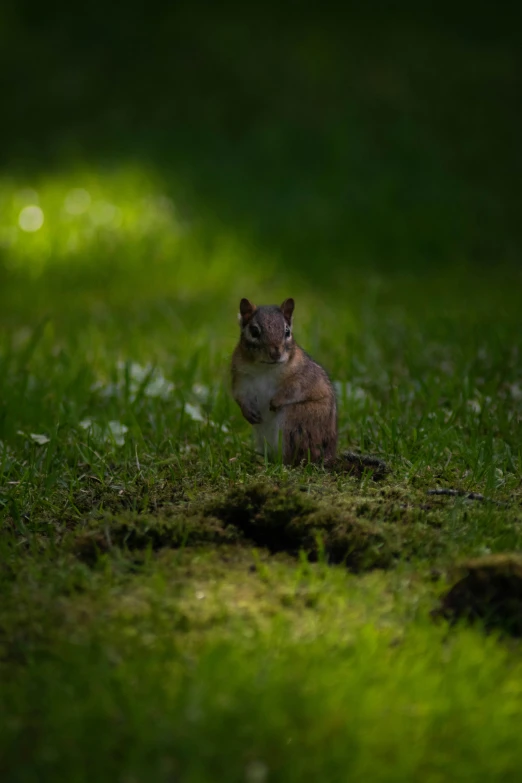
[279, 388]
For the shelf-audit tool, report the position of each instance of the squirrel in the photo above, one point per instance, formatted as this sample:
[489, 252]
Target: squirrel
[285, 395]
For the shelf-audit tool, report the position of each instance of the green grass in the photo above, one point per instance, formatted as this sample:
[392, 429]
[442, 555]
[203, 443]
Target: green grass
[173, 607]
[142, 636]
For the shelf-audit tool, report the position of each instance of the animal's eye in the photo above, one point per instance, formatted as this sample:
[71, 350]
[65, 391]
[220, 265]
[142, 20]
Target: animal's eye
[287, 331]
[255, 331]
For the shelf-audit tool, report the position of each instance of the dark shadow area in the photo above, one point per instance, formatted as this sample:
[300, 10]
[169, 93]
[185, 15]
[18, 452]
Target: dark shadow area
[378, 136]
[489, 591]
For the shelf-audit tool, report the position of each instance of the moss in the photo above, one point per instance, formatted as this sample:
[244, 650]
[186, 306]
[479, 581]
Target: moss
[359, 544]
[489, 590]
[138, 532]
[286, 520]
[359, 465]
[119, 494]
[282, 519]
[242, 505]
[265, 514]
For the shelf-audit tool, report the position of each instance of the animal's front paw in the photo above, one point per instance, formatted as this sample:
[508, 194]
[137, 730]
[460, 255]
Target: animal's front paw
[251, 414]
[254, 417]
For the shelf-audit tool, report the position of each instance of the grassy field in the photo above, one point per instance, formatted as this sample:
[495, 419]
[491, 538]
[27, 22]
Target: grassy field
[172, 607]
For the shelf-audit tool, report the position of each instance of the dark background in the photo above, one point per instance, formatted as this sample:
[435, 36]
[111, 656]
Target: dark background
[386, 137]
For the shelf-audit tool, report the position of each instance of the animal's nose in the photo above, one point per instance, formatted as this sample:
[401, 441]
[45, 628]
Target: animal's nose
[275, 354]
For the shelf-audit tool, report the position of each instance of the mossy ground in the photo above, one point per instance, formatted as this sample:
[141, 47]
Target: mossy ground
[172, 606]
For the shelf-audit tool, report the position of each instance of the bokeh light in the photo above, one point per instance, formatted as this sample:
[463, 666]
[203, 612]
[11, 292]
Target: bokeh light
[31, 218]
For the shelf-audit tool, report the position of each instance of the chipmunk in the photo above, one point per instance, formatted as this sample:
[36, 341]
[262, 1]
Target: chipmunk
[285, 395]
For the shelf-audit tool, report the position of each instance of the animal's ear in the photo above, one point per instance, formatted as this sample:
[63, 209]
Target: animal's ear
[246, 311]
[287, 309]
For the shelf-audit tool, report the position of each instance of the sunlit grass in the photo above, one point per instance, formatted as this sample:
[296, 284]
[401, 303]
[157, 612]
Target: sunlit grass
[82, 213]
[115, 234]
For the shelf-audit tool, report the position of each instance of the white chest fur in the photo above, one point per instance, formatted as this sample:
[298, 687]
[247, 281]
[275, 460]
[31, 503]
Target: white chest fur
[258, 386]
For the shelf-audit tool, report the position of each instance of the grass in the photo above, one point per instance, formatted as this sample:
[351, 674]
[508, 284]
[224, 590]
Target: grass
[142, 633]
[174, 607]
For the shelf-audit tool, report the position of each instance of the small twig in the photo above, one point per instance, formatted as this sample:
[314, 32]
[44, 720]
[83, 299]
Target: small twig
[467, 495]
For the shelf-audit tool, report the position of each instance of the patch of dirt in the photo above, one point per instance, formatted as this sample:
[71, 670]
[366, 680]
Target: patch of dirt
[489, 590]
[285, 520]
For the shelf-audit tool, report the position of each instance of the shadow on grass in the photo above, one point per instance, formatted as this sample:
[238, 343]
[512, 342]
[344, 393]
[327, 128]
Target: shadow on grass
[488, 591]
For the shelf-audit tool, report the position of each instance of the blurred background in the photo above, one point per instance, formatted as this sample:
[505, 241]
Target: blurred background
[155, 150]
